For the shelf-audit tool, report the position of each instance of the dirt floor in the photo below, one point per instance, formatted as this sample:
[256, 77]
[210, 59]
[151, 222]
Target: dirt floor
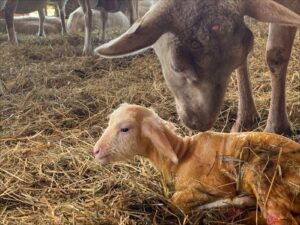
[54, 105]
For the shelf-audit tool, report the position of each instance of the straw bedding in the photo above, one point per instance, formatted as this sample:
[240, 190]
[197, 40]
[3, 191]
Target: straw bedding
[54, 105]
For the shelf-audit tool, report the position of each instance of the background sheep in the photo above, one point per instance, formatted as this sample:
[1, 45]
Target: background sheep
[30, 24]
[115, 21]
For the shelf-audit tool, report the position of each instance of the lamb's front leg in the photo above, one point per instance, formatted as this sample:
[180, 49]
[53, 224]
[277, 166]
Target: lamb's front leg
[189, 199]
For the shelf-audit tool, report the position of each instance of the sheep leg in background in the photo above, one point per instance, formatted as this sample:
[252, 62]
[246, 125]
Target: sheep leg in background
[86, 8]
[136, 9]
[62, 15]
[133, 10]
[248, 117]
[42, 20]
[104, 17]
[2, 4]
[9, 11]
[279, 47]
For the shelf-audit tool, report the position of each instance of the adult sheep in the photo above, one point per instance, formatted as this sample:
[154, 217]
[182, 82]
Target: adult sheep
[116, 21]
[27, 6]
[105, 7]
[29, 25]
[201, 42]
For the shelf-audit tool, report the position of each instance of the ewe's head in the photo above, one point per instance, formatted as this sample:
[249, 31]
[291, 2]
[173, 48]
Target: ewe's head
[133, 130]
[199, 44]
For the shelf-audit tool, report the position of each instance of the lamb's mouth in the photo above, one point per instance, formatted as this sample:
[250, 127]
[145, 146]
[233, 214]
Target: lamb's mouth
[102, 158]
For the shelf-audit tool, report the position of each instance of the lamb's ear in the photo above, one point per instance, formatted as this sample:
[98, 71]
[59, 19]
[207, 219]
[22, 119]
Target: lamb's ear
[270, 11]
[169, 125]
[152, 130]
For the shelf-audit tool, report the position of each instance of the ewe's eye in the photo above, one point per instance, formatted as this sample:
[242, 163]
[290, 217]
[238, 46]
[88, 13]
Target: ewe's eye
[124, 130]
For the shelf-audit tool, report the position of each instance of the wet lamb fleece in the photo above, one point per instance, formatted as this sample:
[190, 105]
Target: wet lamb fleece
[210, 166]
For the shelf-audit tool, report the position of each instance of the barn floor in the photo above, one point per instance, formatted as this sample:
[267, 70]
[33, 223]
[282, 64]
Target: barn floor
[54, 105]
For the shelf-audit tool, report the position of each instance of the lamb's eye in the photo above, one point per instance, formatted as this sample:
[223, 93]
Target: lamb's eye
[124, 130]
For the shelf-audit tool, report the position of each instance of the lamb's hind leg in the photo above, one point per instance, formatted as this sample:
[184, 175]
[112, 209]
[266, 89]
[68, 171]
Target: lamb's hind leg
[279, 46]
[298, 219]
[273, 195]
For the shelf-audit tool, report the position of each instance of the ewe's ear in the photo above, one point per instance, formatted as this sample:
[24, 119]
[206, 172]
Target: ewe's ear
[270, 11]
[152, 130]
[140, 36]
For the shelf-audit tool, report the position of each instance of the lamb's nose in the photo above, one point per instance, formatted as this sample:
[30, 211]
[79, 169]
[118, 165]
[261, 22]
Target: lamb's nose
[96, 150]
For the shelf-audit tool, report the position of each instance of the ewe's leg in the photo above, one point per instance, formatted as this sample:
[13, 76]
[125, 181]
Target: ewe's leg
[61, 6]
[9, 10]
[42, 20]
[104, 17]
[279, 48]
[86, 7]
[248, 117]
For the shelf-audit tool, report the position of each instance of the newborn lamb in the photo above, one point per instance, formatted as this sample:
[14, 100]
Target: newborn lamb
[210, 166]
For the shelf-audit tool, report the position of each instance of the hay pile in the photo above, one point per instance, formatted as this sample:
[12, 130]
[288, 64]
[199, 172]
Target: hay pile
[53, 107]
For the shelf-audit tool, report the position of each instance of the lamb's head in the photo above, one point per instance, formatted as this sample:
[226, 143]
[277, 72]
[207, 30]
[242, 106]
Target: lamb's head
[133, 130]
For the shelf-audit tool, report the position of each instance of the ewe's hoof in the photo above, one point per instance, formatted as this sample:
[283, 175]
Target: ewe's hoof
[246, 124]
[283, 129]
